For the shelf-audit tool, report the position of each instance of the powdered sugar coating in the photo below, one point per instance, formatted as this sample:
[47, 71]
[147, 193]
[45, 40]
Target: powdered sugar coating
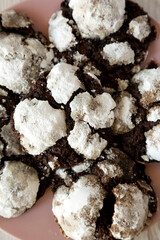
[77, 208]
[122, 84]
[11, 19]
[62, 82]
[139, 27]
[92, 70]
[19, 185]
[148, 81]
[114, 166]
[98, 111]
[153, 143]
[130, 211]
[60, 32]
[84, 142]
[53, 164]
[79, 58]
[21, 61]
[154, 114]
[145, 158]
[39, 125]
[98, 19]
[110, 170]
[124, 111]
[82, 167]
[118, 53]
[61, 173]
[3, 92]
[136, 69]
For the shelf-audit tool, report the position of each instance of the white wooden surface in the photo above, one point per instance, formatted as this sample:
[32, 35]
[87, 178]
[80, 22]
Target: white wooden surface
[153, 7]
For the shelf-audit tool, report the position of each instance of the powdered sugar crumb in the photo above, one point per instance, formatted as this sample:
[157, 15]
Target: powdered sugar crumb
[84, 142]
[118, 53]
[60, 32]
[139, 27]
[153, 114]
[124, 111]
[148, 81]
[153, 143]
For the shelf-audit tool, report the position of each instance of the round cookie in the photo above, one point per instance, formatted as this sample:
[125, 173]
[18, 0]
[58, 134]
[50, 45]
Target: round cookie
[19, 185]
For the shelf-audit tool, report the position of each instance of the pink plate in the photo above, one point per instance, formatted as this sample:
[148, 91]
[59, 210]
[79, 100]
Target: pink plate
[38, 223]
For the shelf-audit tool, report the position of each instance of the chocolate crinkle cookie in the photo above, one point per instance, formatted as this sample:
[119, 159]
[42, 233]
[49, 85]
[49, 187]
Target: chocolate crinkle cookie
[110, 198]
[100, 188]
[24, 55]
[76, 112]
